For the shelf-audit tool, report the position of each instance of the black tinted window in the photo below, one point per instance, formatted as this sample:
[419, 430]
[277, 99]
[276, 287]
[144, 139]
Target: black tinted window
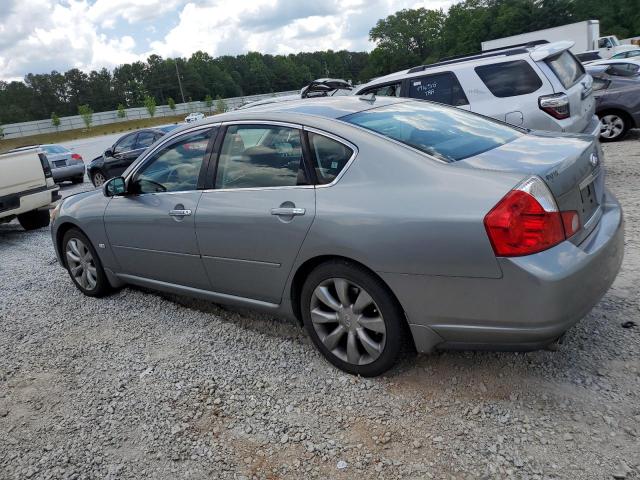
[441, 88]
[392, 90]
[509, 79]
[125, 144]
[567, 68]
[330, 157]
[623, 69]
[176, 167]
[447, 133]
[145, 139]
[258, 156]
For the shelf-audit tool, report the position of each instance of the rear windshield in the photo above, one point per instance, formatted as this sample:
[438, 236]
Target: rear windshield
[447, 133]
[567, 68]
[54, 149]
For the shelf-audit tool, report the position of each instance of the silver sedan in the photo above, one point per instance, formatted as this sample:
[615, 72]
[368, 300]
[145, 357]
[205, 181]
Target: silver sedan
[375, 222]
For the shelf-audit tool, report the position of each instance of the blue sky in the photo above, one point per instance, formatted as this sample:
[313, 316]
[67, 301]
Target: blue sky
[38, 36]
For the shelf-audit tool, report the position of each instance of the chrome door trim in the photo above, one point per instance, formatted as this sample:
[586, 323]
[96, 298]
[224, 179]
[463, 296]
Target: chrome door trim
[250, 189]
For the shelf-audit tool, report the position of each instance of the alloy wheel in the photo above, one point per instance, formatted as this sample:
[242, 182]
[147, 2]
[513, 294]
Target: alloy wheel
[98, 179]
[81, 264]
[348, 321]
[611, 126]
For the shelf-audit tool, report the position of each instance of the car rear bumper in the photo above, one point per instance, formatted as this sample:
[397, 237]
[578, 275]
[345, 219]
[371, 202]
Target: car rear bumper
[593, 127]
[68, 172]
[22, 202]
[537, 299]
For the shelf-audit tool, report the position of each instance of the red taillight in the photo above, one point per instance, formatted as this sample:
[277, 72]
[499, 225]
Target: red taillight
[556, 105]
[527, 221]
[75, 156]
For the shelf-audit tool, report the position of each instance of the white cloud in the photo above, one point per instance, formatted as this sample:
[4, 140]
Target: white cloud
[43, 35]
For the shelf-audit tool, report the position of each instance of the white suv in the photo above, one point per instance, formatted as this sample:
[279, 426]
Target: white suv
[540, 85]
[26, 188]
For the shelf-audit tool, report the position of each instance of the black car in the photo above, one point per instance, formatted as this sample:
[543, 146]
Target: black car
[116, 159]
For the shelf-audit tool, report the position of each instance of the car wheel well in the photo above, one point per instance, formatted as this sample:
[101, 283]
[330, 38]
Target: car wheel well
[308, 266]
[627, 118]
[62, 230]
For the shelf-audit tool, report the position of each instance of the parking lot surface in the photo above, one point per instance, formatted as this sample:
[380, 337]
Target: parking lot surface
[145, 385]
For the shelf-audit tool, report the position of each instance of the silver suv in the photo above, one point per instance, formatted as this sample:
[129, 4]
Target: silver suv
[539, 85]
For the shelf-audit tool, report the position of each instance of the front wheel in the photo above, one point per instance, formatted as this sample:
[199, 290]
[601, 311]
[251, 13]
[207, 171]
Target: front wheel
[613, 126]
[98, 179]
[34, 219]
[352, 318]
[83, 264]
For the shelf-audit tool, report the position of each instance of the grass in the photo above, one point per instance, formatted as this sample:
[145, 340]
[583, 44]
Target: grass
[67, 135]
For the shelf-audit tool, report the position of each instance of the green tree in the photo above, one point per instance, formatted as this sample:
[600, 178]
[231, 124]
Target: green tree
[172, 103]
[86, 113]
[208, 101]
[150, 105]
[55, 121]
[121, 111]
[221, 105]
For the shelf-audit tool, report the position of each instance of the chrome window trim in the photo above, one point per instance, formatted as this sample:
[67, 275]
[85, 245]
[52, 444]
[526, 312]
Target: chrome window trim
[262, 122]
[254, 189]
[140, 161]
[344, 142]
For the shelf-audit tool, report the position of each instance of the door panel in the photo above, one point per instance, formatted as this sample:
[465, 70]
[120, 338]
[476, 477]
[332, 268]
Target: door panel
[149, 242]
[246, 250]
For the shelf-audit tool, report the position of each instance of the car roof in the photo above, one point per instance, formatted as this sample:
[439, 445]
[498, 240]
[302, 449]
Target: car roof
[614, 61]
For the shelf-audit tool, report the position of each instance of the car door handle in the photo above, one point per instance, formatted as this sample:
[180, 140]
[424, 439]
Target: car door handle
[180, 213]
[288, 211]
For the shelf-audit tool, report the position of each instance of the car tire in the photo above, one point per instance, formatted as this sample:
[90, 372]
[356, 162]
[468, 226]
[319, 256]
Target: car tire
[78, 180]
[98, 178]
[34, 219]
[614, 126]
[353, 318]
[83, 264]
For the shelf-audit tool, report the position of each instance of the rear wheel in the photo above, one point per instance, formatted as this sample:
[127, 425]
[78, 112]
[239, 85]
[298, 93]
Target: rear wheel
[34, 219]
[83, 264]
[613, 126]
[98, 179]
[352, 318]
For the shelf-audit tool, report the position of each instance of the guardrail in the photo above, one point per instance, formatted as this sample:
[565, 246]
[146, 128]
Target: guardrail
[35, 127]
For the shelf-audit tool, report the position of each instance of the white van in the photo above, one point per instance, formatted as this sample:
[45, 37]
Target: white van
[26, 188]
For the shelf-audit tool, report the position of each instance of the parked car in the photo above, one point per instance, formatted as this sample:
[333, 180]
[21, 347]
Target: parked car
[26, 187]
[117, 159]
[369, 220]
[194, 117]
[541, 87]
[64, 163]
[617, 102]
[627, 54]
[619, 68]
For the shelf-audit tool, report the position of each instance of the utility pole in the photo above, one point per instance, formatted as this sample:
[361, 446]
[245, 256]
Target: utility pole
[179, 81]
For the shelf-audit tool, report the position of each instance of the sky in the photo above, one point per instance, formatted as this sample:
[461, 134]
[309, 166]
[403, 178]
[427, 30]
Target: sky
[38, 36]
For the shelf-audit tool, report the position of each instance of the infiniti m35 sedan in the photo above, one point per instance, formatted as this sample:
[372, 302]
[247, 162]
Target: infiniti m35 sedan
[372, 221]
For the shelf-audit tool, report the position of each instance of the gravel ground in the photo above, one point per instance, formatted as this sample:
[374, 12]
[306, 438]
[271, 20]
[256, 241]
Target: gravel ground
[143, 385]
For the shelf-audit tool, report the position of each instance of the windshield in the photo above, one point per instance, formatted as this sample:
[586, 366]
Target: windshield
[447, 133]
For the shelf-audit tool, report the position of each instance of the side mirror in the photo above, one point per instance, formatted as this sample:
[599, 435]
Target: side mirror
[108, 153]
[114, 187]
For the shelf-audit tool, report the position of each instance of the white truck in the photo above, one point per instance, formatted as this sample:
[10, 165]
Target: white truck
[27, 188]
[585, 35]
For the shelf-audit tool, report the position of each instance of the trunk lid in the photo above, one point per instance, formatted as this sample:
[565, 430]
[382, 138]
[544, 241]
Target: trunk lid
[570, 165]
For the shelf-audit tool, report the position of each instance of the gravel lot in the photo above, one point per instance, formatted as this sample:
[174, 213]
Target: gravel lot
[143, 385]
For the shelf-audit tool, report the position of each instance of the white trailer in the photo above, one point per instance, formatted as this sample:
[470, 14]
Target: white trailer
[585, 35]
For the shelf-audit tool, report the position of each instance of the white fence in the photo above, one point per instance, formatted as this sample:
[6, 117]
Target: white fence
[36, 127]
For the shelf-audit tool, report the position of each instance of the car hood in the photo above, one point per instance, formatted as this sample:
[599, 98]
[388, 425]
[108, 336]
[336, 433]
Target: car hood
[561, 160]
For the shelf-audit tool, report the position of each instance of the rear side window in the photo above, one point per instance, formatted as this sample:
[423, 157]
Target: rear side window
[329, 157]
[145, 139]
[509, 79]
[567, 68]
[391, 90]
[441, 88]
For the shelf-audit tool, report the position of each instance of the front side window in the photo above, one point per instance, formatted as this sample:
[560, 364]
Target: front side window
[329, 157]
[392, 90]
[447, 133]
[623, 69]
[145, 139]
[176, 167]
[260, 156]
[441, 87]
[567, 68]
[125, 144]
[509, 79]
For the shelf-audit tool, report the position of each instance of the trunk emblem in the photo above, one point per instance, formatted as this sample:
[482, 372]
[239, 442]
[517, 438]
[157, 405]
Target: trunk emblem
[594, 160]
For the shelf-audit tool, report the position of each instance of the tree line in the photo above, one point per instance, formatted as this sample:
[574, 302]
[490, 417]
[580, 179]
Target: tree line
[406, 38]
